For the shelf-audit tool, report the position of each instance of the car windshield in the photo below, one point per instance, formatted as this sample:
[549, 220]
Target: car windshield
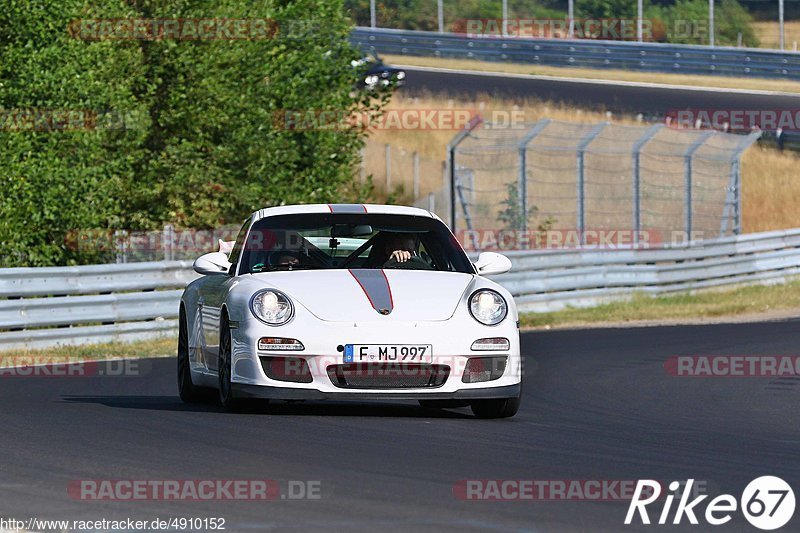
[340, 240]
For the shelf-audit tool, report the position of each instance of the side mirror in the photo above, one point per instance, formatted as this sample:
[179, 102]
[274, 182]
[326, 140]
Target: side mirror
[490, 263]
[211, 264]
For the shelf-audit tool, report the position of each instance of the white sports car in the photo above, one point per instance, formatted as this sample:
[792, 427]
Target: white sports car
[352, 302]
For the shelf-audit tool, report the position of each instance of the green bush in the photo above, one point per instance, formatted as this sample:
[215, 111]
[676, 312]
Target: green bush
[200, 146]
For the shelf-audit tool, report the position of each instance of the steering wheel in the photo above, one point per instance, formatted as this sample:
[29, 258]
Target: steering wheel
[415, 263]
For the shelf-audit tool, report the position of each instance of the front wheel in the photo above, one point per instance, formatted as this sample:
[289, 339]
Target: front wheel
[187, 390]
[496, 407]
[226, 397]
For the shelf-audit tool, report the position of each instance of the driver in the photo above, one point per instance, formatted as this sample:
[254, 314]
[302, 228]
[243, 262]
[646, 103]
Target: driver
[399, 247]
[286, 259]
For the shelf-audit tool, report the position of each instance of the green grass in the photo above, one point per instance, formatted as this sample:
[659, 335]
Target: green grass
[708, 304]
[163, 346]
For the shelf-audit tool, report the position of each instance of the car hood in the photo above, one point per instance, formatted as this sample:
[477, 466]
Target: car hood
[368, 295]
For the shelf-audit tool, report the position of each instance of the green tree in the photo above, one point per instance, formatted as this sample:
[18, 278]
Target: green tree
[203, 143]
[605, 9]
[687, 23]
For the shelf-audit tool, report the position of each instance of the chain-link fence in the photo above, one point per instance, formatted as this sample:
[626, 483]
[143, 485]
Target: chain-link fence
[401, 174]
[596, 178]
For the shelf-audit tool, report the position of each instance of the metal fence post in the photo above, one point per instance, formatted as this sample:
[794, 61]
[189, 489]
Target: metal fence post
[582, 145]
[451, 163]
[363, 166]
[121, 245]
[637, 196]
[687, 181]
[415, 163]
[733, 198]
[388, 168]
[710, 22]
[167, 244]
[522, 186]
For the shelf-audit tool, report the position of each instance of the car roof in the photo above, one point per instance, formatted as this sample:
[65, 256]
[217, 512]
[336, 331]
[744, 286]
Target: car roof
[342, 208]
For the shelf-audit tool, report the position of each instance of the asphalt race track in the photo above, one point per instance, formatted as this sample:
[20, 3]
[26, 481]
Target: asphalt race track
[610, 96]
[598, 404]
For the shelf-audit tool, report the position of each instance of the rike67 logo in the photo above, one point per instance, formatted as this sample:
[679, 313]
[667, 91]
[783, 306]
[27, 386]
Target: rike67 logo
[767, 503]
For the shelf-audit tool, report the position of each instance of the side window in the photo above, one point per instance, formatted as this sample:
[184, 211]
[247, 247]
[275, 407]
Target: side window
[236, 253]
[430, 251]
[423, 253]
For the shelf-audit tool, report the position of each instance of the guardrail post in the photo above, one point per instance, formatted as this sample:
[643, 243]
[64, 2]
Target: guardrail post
[687, 180]
[451, 163]
[637, 197]
[523, 168]
[582, 145]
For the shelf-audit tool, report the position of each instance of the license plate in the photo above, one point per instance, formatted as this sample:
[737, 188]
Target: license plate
[393, 353]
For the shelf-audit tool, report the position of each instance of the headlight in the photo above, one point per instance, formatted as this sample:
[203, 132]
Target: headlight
[487, 307]
[272, 307]
[401, 75]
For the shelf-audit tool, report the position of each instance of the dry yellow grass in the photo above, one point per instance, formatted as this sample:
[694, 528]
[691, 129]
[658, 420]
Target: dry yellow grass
[431, 144]
[768, 33]
[770, 190]
[617, 75]
[770, 179]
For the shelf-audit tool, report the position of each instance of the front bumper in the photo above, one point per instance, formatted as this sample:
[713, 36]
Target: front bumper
[294, 393]
[451, 341]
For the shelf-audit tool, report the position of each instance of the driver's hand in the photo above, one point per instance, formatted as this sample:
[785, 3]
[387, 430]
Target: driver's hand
[401, 256]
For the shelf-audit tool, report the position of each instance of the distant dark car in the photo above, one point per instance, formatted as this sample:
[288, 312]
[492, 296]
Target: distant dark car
[376, 73]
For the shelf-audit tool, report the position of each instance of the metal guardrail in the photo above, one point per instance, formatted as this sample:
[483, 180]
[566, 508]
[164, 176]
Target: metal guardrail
[649, 57]
[552, 280]
[42, 307]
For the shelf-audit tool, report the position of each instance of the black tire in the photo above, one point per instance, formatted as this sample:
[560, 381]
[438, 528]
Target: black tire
[443, 404]
[187, 390]
[226, 396]
[495, 408]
